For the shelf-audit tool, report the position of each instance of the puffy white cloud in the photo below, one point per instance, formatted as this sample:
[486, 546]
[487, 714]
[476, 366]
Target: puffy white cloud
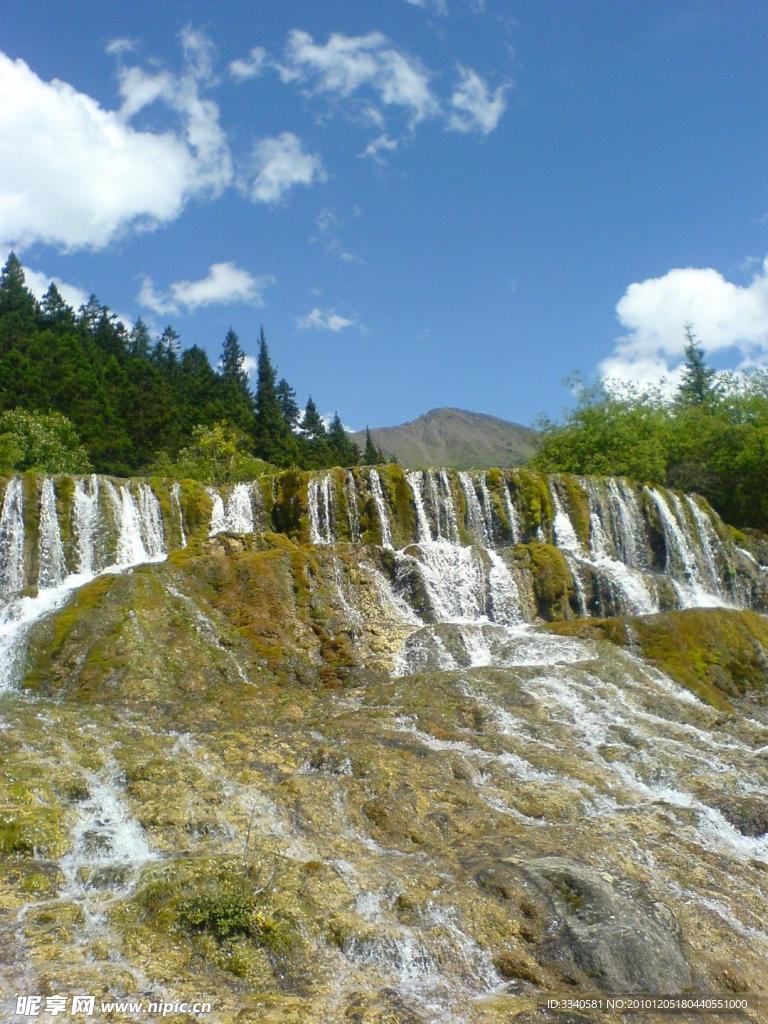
[116, 47]
[249, 67]
[250, 364]
[728, 318]
[73, 174]
[225, 282]
[346, 64]
[277, 164]
[474, 107]
[76, 175]
[323, 320]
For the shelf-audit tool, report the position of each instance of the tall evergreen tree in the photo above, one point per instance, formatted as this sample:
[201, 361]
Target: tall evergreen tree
[54, 310]
[237, 393]
[274, 440]
[286, 396]
[312, 426]
[373, 455]
[15, 297]
[697, 385]
[343, 449]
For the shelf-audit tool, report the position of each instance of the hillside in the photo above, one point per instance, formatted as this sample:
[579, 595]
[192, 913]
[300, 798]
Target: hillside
[456, 438]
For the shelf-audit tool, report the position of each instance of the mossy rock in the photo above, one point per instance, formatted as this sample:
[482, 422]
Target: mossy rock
[718, 654]
[551, 579]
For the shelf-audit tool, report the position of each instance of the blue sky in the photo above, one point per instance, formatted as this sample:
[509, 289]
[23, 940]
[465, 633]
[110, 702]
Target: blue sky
[445, 202]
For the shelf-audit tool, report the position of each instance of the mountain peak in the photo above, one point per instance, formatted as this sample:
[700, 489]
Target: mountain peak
[458, 438]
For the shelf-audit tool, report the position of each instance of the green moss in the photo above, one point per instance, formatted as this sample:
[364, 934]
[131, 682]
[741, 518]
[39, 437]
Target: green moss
[718, 654]
[196, 507]
[533, 501]
[578, 506]
[32, 832]
[551, 578]
[289, 509]
[399, 497]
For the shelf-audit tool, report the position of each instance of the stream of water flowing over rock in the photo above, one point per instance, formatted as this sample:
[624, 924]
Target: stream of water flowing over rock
[483, 813]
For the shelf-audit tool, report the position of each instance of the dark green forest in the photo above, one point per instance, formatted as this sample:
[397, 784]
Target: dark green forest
[79, 391]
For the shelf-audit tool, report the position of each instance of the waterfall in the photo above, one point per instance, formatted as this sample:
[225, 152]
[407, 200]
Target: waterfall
[151, 523]
[176, 503]
[320, 501]
[512, 515]
[709, 545]
[450, 523]
[477, 520]
[353, 517]
[416, 481]
[680, 563]
[234, 517]
[566, 537]
[130, 546]
[52, 567]
[12, 540]
[85, 521]
[381, 508]
[628, 525]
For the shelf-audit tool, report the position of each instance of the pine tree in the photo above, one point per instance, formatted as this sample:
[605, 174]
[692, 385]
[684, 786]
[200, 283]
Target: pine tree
[169, 342]
[373, 455]
[274, 439]
[286, 396]
[15, 297]
[233, 362]
[312, 426]
[54, 310]
[343, 449]
[697, 385]
[139, 339]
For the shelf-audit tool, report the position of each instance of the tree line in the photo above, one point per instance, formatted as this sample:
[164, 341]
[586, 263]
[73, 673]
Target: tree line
[709, 436]
[79, 391]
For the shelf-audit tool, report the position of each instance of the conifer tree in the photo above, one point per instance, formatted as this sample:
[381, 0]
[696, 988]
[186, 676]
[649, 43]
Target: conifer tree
[312, 425]
[373, 455]
[15, 297]
[697, 385]
[286, 396]
[343, 449]
[54, 310]
[233, 363]
[139, 339]
[274, 440]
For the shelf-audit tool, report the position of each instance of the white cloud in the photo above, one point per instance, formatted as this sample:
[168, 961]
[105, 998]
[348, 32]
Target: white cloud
[250, 364]
[377, 146]
[182, 94]
[728, 318]
[224, 283]
[74, 174]
[249, 67]
[280, 163]
[120, 45]
[323, 320]
[475, 108]
[346, 64]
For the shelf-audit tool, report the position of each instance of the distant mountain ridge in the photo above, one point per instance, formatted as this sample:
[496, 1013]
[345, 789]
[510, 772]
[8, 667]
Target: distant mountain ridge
[456, 438]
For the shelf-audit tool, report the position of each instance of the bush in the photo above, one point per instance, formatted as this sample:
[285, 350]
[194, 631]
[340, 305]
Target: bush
[46, 442]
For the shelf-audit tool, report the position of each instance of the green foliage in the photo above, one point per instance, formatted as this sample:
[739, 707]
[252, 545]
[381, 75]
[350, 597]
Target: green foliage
[373, 455]
[716, 446]
[221, 453]
[134, 400]
[46, 442]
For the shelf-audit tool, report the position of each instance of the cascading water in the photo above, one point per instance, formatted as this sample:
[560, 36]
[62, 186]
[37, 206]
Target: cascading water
[353, 515]
[176, 500]
[12, 540]
[479, 524]
[52, 567]
[320, 502]
[381, 508]
[85, 516]
[236, 516]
